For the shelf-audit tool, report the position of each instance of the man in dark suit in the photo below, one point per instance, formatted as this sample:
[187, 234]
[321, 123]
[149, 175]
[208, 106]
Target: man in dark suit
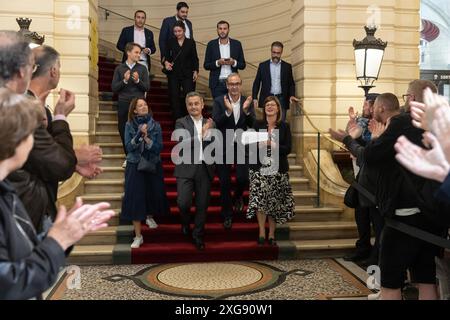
[140, 35]
[223, 57]
[275, 78]
[168, 23]
[195, 174]
[233, 114]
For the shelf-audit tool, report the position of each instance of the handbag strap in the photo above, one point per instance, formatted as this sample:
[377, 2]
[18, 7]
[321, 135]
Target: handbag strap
[364, 192]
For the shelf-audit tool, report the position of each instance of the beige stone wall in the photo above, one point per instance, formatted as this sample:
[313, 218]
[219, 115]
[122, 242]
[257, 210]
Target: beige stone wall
[322, 36]
[256, 23]
[68, 26]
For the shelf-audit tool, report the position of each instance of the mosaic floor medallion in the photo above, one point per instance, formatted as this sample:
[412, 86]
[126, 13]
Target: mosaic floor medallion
[209, 280]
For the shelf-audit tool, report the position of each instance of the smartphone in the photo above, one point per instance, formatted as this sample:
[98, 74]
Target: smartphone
[227, 59]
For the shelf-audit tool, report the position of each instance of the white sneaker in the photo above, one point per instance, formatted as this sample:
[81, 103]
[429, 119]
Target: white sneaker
[151, 223]
[137, 242]
[124, 165]
[374, 296]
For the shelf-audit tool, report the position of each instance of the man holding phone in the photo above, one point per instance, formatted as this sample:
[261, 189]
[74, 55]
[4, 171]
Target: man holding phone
[131, 80]
[223, 57]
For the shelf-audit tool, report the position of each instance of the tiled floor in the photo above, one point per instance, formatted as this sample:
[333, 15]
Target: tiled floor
[269, 280]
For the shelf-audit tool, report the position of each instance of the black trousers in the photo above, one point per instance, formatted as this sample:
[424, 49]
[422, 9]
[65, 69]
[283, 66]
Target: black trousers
[178, 89]
[220, 90]
[201, 185]
[122, 118]
[224, 172]
[365, 217]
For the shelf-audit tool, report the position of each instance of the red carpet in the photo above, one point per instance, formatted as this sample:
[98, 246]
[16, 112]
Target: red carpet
[166, 244]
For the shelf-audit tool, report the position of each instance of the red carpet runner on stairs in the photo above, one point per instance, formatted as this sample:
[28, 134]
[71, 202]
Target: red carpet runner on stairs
[166, 244]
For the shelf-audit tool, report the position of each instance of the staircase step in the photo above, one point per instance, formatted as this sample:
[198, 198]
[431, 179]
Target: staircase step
[214, 252]
[311, 213]
[328, 248]
[322, 230]
[292, 159]
[107, 236]
[91, 255]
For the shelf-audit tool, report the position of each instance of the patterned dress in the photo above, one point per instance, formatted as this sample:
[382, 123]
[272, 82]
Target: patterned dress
[271, 194]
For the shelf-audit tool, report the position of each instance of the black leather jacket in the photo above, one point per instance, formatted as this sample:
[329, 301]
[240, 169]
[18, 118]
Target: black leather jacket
[28, 266]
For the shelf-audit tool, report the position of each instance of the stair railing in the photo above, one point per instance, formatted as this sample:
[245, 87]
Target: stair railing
[300, 111]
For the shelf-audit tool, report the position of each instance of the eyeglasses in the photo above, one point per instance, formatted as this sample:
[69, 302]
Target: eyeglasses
[405, 96]
[35, 67]
[235, 84]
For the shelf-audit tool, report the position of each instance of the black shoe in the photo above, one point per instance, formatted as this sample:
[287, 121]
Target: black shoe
[239, 205]
[186, 230]
[357, 256]
[261, 241]
[199, 244]
[272, 242]
[228, 223]
[371, 261]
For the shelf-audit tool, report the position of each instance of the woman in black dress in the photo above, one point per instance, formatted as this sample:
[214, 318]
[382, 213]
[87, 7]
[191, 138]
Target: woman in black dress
[181, 66]
[271, 194]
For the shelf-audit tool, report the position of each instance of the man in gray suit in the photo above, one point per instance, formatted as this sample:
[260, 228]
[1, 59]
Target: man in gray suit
[194, 172]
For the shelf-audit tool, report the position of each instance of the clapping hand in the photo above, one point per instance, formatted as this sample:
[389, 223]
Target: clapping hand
[338, 135]
[70, 227]
[205, 129]
[66, 103]
[352, 114]
[376, 128]
[425, 163]
[136, 76]
[247, 104]
[354, 130]
[228, 105]
[127, 76]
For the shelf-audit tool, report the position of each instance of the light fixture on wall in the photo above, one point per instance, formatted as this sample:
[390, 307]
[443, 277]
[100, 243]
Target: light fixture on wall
[33, 38]
[369, 55]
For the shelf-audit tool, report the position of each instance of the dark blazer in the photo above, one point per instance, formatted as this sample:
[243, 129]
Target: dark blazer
[224, 122]
[187, 171]
[263, 81]
[127, 35]
[51, 160]
[28, 266]
[213, 54]
[284, 144]
[166, 32]
[186, 62]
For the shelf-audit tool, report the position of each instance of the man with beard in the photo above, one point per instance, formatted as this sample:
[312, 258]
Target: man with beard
[223, 57]
[274, 78]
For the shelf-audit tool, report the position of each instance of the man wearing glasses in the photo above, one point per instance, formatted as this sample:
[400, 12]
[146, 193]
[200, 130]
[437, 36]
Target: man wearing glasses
[233, 114]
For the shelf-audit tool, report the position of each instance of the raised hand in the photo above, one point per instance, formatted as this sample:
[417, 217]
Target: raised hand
[88, 170]
[66, 103]
[441, 128]
[135, 76]
[88, 154]
[247, 104]
[354, 130]
[352, 114]
[228, 105]
[425, 163]
[338, 135]
[376, 128]
[72, 226]
[127, 76]
[207, 126]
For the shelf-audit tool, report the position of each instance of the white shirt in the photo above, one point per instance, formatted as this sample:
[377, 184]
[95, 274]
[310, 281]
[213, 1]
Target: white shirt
[236, 109]
[199, 128]
[139, 38]
[225, 71]
[275, 75]
[188, 31]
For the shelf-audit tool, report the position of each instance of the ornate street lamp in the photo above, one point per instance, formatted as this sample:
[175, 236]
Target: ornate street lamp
[369, 55]
[33, 38]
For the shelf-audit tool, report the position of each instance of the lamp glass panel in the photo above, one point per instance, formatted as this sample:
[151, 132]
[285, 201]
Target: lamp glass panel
[360, 56]
[373, 63]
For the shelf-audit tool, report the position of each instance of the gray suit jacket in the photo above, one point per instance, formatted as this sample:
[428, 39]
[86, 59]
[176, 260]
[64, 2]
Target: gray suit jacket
[184, 170]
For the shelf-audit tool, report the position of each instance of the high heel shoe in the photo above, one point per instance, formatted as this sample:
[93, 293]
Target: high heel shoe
[272, 242]
[261, 241]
